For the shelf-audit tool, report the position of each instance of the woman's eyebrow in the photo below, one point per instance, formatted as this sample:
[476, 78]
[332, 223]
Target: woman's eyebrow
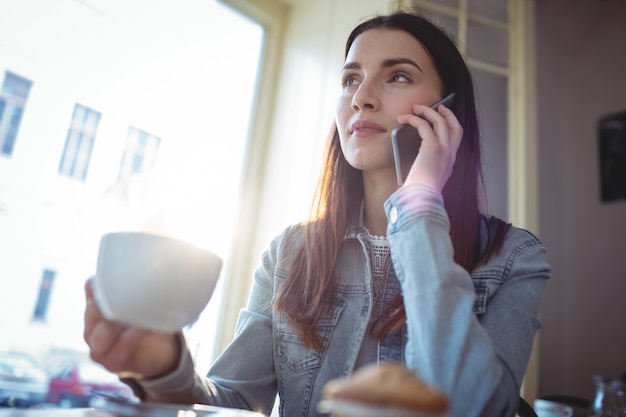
[351, 65]
[387, 63]
[397, 61]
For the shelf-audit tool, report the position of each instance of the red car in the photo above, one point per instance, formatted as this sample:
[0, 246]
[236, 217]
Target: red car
[76, 384]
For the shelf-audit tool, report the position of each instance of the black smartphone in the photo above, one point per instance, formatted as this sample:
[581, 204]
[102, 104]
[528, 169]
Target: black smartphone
[406, 141]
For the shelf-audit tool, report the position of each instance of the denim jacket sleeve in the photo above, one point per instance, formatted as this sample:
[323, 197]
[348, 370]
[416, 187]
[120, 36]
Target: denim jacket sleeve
[243, 376]
[478, 360]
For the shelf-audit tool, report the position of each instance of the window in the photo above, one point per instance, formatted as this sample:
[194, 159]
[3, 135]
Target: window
[79, 142]
[140, 152]
[497, 38]
[481, 30]
[13, 97]
[100, 115]
[41, 308]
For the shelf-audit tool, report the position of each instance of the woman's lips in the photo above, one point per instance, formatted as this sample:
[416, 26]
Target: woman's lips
[363, 128]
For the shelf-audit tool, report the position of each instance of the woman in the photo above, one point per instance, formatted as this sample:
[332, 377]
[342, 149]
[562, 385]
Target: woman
[380, 273]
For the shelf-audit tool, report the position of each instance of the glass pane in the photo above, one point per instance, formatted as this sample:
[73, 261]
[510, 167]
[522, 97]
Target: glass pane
[15, 85]
[191, 87]
[493, 9]
[69, 154]
[80, 112]
[82, 157]
[449, 24]
[491, 93]
[488, 44]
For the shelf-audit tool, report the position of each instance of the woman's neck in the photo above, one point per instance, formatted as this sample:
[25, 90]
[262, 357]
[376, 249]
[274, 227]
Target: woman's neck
[376, 191]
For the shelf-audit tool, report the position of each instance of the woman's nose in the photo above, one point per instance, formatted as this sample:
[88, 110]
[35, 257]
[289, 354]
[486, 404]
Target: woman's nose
[365, 98]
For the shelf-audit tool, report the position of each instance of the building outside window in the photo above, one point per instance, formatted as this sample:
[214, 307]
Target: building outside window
[13, 97]
[122, 78]
[43, 299]
[139, 154]
[79, 142]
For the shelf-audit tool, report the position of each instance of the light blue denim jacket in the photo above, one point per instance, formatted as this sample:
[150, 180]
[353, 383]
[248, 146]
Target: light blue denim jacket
[470, 336]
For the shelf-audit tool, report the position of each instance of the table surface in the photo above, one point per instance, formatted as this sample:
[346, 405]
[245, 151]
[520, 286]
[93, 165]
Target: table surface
[54, 412]
[139, 410]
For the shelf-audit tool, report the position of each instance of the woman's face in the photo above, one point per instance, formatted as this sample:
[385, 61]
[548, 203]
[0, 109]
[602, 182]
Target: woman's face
[386, 72]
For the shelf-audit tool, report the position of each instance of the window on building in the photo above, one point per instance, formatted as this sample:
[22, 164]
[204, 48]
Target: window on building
[483, 31]
[79, 142]
[140, 152]
[13, 97]
[45, 288]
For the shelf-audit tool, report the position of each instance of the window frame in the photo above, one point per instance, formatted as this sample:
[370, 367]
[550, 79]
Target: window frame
[42, 305]
[272, 17]
[81, 137]
[135, 149]
[15, 104]
[522, 158]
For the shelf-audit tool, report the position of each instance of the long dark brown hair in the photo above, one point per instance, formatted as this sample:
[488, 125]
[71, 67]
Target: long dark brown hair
[309, 290]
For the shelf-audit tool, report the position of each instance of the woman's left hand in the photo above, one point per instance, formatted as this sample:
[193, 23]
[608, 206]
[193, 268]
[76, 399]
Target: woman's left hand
[441, 135]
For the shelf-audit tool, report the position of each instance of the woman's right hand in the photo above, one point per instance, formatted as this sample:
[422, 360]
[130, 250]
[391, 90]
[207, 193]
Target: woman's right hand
[441, 135]
[128, 350]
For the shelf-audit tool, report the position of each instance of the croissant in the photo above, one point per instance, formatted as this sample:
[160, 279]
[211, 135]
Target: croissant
[388, 385]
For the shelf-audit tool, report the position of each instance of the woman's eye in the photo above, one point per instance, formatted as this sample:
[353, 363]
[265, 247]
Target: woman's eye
[399, 78]
[349, 81]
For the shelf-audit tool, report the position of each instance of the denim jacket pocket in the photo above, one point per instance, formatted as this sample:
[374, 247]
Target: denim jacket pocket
[485, 285]
[293, 353]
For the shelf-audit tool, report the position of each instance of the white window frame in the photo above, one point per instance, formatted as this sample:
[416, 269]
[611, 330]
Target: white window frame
[271, 16]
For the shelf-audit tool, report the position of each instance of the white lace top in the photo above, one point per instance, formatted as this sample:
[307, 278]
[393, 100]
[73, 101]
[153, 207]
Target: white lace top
[379, 254]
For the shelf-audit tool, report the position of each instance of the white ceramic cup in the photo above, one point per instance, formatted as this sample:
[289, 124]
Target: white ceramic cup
[153, 281]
